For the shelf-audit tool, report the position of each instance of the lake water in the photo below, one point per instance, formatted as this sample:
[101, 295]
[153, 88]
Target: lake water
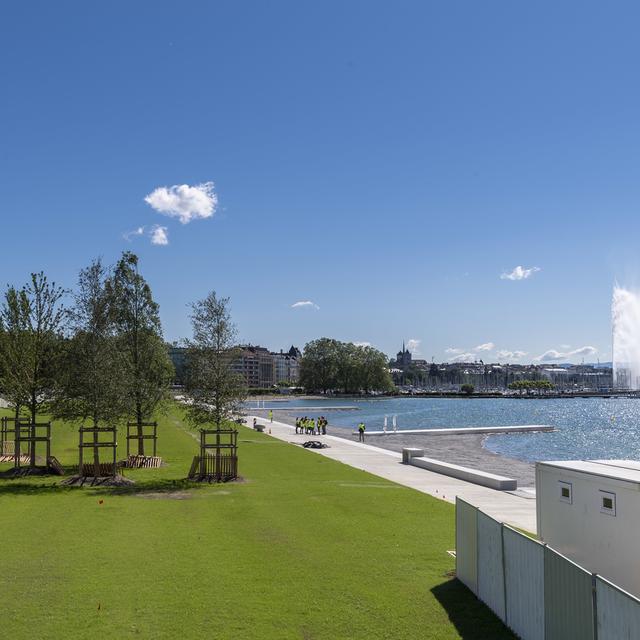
[586, 427]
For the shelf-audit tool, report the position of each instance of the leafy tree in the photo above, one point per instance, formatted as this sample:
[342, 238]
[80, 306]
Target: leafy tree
[319, 365]
[216, 390]
[467, 389]
[328, 364]
[374, 372]
[33, 319]
[146, 368]
[14, 339]
[528, 385]
[90, 385]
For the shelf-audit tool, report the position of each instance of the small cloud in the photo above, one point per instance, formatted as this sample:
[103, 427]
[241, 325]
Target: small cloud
[584, 351]
[362, 344]
[465, 357]
[127, 235]
[487, 346]
[507, 355]
[302, 304]
[413, 345]
[519, 273]
[159, 235]
[552, 355]
[453, 350]
[184, 202]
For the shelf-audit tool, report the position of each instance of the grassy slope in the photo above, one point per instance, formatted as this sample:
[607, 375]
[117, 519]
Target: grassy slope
[305, 548]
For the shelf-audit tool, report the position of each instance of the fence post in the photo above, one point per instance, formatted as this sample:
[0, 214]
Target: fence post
[504, 574]
[594, 600]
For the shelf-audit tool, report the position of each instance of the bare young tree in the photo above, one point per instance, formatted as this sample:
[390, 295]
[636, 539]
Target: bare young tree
[216, 390]
[145, 364]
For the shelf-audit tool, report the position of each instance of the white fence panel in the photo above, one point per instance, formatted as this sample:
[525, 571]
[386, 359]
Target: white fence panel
[490, 565]
[617, 612]
[467, 544]
[524, 584]
[568, 599]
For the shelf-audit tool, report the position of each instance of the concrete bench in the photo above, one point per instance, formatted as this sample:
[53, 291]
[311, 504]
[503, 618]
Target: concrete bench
[259, 427]
[416, 458]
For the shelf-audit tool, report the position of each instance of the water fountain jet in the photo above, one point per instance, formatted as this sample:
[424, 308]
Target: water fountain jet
[625, 322]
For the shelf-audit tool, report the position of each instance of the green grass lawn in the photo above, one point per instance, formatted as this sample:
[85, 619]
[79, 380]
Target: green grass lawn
[304, 547]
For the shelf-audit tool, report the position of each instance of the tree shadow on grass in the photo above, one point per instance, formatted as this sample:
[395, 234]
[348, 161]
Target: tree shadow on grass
[155, 486]
[18, 486]
[472, 618]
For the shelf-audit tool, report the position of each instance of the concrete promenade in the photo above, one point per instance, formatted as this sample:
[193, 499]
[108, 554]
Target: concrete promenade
[517, 510]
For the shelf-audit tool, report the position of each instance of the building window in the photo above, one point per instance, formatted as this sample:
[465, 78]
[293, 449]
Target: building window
[565, 492]
[608, 503]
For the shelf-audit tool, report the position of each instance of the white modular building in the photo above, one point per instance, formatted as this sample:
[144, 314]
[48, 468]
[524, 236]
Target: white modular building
[589, 510]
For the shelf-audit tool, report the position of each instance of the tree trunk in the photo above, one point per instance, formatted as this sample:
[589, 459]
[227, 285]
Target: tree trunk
[96, 451]
[140, 430]
[32, 433]
[16, 438]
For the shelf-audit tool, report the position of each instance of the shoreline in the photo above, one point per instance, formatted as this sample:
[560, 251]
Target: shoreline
[467, 450]
[451, 395]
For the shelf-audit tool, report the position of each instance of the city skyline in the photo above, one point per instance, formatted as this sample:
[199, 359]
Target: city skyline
[440, 176]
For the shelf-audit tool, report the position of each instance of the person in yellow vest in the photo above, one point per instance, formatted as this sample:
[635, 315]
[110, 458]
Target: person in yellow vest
[270, 415]
[361, 429]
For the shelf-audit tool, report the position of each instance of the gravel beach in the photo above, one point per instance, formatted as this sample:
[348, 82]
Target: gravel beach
[466, 450]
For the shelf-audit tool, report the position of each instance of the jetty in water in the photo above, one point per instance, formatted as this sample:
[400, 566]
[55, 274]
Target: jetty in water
[462, 430]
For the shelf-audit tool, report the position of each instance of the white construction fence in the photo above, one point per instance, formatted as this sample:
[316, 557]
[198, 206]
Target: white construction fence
[537, 592]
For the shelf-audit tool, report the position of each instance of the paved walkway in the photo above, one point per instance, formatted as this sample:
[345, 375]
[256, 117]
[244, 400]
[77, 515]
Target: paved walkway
[516, 510]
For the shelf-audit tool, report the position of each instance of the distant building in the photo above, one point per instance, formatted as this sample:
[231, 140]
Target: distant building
[287, 366]
[260, 367]
[257, 366]
[178, 356]
[403, 359]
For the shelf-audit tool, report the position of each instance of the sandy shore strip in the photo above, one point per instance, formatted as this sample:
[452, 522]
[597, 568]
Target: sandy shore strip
[466, 450]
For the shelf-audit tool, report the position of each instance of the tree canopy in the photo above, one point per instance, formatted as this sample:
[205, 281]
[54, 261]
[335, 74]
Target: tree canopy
[216, 390]
[330, 365]
[145, 366]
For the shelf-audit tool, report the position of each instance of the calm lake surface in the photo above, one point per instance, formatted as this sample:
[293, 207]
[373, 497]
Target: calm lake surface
[586, 427]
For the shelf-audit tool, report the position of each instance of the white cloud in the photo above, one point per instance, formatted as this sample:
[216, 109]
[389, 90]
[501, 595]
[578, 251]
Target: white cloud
[487, 346]
[519, 273]
[184, 202]
[414, 346]
[465, 357]
[159, 235]
[127, 235]
[553, 355]
[362, 344]
[453, 350]
[507, 355]
[301, 304]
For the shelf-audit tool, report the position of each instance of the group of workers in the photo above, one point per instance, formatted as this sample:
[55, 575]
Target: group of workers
[318, 427]
[311, 426]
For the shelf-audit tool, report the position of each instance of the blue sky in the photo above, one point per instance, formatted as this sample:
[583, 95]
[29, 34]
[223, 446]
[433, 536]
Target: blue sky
[387, 162]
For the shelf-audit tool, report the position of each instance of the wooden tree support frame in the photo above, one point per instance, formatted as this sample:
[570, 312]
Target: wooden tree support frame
[18, 436]
[96, 444]
[222, 464]
[149, 432]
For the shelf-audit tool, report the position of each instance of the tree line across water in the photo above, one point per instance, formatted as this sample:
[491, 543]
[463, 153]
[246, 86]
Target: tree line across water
[331, 365]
